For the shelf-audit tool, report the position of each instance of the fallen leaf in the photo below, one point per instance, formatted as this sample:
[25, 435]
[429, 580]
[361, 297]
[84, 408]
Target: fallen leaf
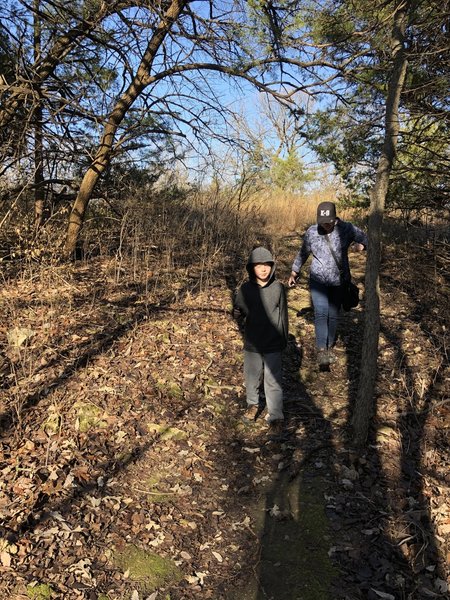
[18, 336]
[251, 450]
[274, 511]
[383, 595]
[201, 576]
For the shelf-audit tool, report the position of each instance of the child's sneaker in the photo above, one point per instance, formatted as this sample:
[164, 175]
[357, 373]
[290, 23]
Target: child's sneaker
[250, 414]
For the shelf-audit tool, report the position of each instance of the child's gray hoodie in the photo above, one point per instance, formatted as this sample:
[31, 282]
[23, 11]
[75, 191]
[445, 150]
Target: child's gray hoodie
[264, 308]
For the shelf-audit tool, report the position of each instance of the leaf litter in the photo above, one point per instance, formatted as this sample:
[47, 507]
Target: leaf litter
[162, 462]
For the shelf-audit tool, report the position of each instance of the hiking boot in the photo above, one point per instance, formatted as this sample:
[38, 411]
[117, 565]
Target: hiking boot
[276, 429]
[323, 358]
[332, 358]
[250, 414]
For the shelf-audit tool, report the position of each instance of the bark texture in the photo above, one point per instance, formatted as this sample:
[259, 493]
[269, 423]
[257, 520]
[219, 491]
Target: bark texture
[365, 400]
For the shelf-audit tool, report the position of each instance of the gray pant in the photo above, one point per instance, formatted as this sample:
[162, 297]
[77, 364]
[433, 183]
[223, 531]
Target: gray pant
[266, 368]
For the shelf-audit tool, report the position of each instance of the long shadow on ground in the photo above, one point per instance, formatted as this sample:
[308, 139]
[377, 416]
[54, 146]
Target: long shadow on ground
[293, 560]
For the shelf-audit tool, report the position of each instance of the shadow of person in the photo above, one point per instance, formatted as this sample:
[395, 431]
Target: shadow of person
[289, 511]
[320, 535]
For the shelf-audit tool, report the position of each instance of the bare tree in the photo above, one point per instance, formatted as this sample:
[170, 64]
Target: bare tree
[23, 89]
[191, 48]
[173, 89]
[102, 158]
[39, 99]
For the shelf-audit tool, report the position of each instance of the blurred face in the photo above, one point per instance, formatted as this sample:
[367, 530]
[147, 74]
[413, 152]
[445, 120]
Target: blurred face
[262, 271]
[328, 227]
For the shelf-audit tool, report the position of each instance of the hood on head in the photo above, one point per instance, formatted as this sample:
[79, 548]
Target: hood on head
[260, 255]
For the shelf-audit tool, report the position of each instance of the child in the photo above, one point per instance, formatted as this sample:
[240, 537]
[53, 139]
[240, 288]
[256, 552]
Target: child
[262, 301]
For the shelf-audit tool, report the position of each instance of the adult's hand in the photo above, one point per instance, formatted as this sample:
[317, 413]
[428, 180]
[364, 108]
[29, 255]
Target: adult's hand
[358, 247]
[292, 279]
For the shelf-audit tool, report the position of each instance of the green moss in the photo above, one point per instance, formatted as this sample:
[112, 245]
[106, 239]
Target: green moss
[171, 389]
[88, 416]
[217, 407]
[308, 375]
[295, 542]
[53, 422]
[41, 591]
[212, 388]
[174, 390]
[167, 433]
[163, 338]
[150, 571]
[124, 456]
[154, 484]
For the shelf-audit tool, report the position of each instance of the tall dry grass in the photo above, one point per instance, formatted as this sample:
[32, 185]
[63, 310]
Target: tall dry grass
[182, 235]
[205, 231]
[285, 213]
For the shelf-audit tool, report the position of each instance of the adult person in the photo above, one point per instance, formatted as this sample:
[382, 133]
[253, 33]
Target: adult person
[328, 241]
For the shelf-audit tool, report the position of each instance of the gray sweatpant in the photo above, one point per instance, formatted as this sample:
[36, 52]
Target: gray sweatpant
[266, 368]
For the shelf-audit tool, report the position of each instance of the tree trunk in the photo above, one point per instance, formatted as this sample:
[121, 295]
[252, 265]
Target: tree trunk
[365, 403]
[39, 192]
[103, 155]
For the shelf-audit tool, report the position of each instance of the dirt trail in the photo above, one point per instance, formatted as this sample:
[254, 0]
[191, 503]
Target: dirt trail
[137, 441]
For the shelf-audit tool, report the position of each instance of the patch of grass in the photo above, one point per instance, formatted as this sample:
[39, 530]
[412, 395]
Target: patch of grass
[150, 571]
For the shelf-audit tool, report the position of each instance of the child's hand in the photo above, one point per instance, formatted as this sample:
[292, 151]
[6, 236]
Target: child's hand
[236, 313]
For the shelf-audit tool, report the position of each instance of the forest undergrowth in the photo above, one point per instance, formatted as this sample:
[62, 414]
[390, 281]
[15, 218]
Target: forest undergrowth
[127, 474]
